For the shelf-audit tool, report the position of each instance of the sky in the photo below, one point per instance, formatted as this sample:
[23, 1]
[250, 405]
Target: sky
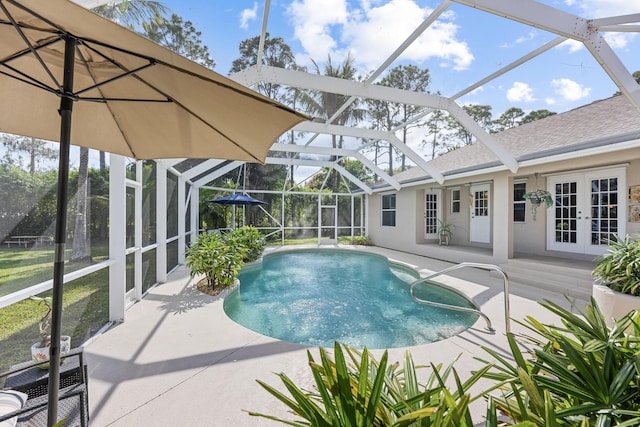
[463, 46]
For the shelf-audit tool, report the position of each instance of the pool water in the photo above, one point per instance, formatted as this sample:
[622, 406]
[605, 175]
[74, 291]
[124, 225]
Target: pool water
[321, 296]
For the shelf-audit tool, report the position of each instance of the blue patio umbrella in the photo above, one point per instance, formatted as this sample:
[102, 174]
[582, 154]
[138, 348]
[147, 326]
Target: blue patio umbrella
[237, 199]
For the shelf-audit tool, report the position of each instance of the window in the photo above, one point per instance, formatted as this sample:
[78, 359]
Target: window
[455, 201]
[389, 210]
[431, 213]
[519, 204]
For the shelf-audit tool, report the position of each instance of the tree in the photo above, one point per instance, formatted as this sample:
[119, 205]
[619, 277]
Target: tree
[535, 115]
[507, 120]
[334, 107]
[276, 53]
[36, 149]
[130, 13]
[436, 124]
[381, 113]
[179, 36]
[411, 78]
[481, 114]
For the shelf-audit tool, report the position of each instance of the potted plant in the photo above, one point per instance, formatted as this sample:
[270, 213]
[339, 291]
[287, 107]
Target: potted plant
[617, 278]
[445, 232]
[536, 198]
[40, 349]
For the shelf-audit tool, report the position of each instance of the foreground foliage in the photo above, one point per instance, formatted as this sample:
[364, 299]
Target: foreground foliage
[580, 373]
[357, 390]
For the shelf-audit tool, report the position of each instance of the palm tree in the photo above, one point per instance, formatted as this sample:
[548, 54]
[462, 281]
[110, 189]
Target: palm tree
[331, 106]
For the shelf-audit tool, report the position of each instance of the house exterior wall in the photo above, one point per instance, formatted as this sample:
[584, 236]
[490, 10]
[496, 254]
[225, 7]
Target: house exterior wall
[507, 237]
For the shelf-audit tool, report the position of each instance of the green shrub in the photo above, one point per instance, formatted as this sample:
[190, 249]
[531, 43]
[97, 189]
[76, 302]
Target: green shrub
[360, 240]
[217, 257]
[619, 268]
[251, 239]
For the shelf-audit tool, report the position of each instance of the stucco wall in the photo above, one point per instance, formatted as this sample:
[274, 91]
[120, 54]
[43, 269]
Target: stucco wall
[526, 238]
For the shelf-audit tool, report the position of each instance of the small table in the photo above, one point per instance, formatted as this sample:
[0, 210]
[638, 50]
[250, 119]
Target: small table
[35, 381]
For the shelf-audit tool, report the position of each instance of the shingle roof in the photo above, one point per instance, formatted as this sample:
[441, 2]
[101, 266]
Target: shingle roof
[587, 125]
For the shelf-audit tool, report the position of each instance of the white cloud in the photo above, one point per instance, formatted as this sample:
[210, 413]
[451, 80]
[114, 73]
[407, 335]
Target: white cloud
[550, 101]
[572, 45]
[312, 20]
[602, 8]
[378, 31]
[570, 90]
[522, 39]
[248, 15]
[372, 32]
[520, 92]
[619, 40]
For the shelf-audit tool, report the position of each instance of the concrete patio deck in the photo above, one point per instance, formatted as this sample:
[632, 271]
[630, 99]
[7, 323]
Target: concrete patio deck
[179, 360]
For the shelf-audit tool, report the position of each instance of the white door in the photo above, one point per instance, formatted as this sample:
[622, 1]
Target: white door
[590, 208]
[480, 219]
[432, 212]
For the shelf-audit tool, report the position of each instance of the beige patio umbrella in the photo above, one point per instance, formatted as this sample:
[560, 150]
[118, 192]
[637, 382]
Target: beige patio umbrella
[127, 96]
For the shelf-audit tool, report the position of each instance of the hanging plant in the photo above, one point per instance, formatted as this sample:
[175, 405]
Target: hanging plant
[536, 198]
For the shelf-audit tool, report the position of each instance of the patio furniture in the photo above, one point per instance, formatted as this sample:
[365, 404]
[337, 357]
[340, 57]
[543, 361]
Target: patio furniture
[32, 379]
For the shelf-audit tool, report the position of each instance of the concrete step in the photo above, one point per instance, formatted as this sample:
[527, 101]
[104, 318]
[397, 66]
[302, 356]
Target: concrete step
[572, 278]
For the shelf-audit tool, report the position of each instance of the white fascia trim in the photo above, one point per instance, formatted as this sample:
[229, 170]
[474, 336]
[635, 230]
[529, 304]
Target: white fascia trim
[635, 143]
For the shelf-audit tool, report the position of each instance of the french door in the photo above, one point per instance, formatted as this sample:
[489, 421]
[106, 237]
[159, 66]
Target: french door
[589, 210]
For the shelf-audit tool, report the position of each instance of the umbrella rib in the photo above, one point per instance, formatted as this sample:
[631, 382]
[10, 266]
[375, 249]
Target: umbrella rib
[28, 80]
[124, 74]
[26, 40]
[197, 116]
[157, 90]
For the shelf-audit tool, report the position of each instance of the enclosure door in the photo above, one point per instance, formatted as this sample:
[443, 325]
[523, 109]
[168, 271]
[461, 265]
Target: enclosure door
[590, 208]
[327, 223]
[480, 220]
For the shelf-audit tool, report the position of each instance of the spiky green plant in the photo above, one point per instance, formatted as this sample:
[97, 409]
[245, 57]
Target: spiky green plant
[356, 391]
[619, 268]
[581, 373]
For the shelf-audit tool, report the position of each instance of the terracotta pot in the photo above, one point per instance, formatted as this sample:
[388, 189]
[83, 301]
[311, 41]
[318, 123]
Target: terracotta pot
[614, 304]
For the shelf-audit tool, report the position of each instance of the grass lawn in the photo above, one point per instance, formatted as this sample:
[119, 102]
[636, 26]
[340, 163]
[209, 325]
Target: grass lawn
[85, 303]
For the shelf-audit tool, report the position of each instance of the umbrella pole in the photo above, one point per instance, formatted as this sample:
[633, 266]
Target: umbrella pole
[66, 107]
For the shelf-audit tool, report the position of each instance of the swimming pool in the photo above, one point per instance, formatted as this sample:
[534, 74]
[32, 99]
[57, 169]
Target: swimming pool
[319, 296]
